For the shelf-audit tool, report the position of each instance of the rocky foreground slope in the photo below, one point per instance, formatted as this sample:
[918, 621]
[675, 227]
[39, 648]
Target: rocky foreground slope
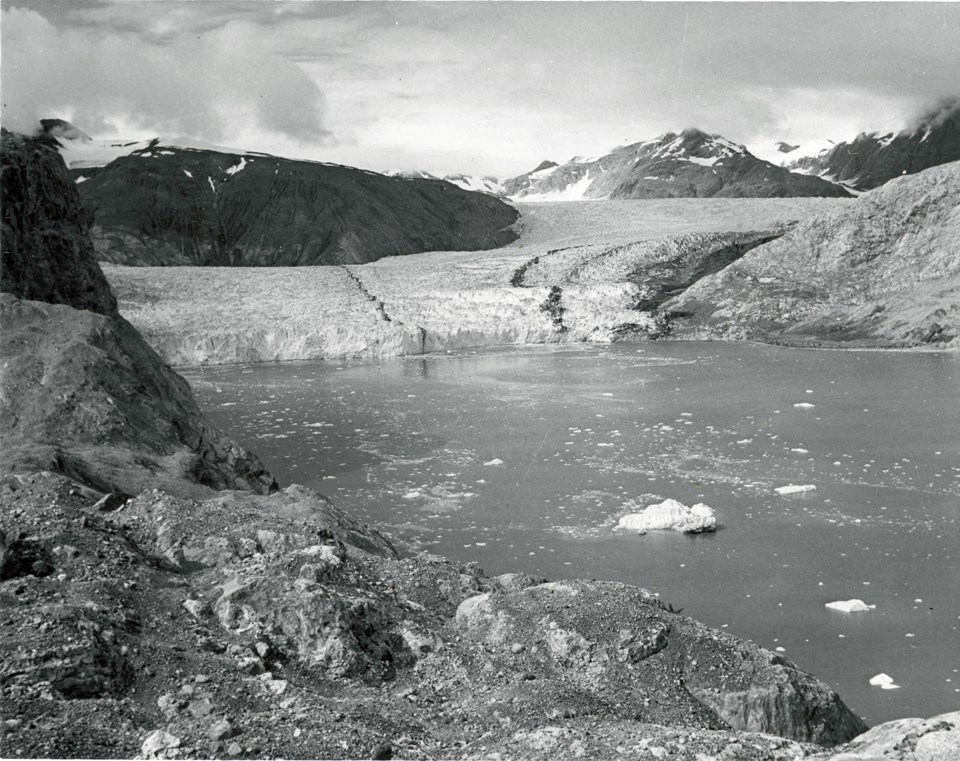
[692, 164]
[80, 392]
[883, 271]
[165, 204]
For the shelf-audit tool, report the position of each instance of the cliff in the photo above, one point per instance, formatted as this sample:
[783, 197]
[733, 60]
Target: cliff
[166, 205]
[82, 393]
[883, 271]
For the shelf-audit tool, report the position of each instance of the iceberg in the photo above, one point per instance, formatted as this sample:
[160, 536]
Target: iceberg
[795, 489]
[671, 515]
[884, 682]
[850, 606]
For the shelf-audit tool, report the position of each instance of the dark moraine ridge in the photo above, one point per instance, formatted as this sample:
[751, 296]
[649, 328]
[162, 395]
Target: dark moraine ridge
[173, 206]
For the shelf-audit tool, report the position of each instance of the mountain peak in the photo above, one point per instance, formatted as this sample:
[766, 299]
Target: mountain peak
[61, 129]
[546, 164]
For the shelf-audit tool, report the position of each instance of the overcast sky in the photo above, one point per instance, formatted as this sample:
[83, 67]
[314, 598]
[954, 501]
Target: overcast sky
[484, 87]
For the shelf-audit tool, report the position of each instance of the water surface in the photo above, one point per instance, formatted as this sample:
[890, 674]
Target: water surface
[524, 459]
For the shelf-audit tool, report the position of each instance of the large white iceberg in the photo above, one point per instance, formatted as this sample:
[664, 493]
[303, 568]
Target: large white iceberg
[671, 515]
[884, 682]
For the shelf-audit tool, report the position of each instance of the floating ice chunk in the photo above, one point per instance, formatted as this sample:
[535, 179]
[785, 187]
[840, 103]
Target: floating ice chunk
[800, 450]
[850, 606]
[884, 682]
[804, 405]
[671, 515]
[411, 495]
[494, 461]
[795, 489]
[745, 441]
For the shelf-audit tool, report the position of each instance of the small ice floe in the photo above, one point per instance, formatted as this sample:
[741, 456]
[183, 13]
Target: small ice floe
[804, 405]
[412, 495]
[671, 515]
[850, 606]
[795, 489]
[494, 461]
[884, 682]
[800, 450]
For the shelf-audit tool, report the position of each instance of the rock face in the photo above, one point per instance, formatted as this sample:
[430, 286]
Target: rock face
[219, 616]
[166, 205]
[884, 271]
[692, 164]
[873, 159]
[82, 393]
[47, 253]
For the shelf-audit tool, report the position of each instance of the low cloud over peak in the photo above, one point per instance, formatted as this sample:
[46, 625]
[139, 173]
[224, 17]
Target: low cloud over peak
[111, 81]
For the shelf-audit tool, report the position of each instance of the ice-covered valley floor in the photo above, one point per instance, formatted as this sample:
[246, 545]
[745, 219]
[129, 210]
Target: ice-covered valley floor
[578, 272]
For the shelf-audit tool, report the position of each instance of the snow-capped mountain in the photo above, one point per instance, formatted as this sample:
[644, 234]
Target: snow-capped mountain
[691, 164]
[872, 158]
[180, 202]
[476, 183]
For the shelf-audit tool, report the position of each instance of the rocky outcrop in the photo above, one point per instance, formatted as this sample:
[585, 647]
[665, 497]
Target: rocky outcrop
[883, 271]
[81, 392]
[692, 164]
[872, 159]
[283, 625]
[933, 739]
[165, 205]
[47, 254]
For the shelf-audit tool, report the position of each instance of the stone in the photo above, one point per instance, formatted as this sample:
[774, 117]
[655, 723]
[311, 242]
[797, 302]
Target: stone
[196, 608]
[111, 502]
[160, 744]
[221, 730]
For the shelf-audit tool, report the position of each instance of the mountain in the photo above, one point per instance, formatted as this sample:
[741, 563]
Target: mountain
[692, 164]
[165, 204]
[873, 158]
[81, 393]
[479, 184]
[881, 271]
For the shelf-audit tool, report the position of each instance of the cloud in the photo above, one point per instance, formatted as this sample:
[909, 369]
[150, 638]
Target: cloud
[106, 79]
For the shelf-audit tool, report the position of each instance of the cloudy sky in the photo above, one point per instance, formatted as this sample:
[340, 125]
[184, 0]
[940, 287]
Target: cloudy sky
[478, 87]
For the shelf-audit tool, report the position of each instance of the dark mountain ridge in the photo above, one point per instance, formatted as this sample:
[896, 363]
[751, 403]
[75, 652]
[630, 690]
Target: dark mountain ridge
[872, 159]
[167, 205]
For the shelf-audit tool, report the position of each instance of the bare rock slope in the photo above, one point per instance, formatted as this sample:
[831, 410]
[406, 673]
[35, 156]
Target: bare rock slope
[253, 626]
[80, 391]
[884, 271]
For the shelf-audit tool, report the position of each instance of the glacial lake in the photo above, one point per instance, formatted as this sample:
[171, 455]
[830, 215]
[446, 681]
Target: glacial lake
[524, 459]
